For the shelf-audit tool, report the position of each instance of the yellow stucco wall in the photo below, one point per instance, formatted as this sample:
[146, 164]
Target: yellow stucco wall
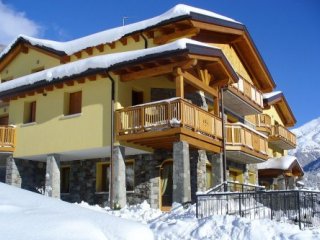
[24, 63]
[145, 85]
[234, 60]
[53, 132]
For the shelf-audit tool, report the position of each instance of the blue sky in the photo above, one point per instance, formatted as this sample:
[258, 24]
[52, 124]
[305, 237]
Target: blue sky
[286, 32]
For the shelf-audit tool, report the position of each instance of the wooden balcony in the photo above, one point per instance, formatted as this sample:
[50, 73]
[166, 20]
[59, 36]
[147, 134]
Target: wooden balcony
[244, 144]
[243, 98]
[281, 137]
[7, 139]
[263, 123]
[158, 124]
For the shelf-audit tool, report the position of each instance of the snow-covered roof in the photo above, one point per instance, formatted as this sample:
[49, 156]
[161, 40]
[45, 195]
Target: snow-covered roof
[111, 35]
[271, 94]
[282, 163]
[98, 62]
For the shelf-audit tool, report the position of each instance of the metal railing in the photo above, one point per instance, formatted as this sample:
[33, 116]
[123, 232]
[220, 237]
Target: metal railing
[231, 186]
[295, 206]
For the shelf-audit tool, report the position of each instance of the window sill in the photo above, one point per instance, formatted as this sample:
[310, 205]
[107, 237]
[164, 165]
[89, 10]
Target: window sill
[108, 192]
[70, 116]
[28, 124]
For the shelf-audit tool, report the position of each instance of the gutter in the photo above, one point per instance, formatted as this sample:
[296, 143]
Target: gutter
[111, 139]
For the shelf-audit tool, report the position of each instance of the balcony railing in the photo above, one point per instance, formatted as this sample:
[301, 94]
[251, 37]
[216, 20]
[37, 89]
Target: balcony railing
[250, 91]
[263, 123]
[239, 135]
[281, 134]
[7, 138]
[171, 113]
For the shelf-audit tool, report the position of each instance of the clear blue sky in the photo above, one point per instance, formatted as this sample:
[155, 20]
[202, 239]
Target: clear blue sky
[286, 32]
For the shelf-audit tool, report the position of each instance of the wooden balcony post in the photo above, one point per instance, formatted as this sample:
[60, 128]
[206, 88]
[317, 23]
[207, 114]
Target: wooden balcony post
[179, 84]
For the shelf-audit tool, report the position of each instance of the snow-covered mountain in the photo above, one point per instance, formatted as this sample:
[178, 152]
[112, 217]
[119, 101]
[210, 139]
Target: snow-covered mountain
[308, 152]
[308, 145]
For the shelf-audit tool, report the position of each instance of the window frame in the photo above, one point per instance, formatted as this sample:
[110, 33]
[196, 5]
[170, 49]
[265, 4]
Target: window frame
[73, 103]
[99, 178]
[30, 112]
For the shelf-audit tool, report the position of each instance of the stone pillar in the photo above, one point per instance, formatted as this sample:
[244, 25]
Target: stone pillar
[13, 176]
[52, 188]
[201, 171]
[217, 168]
[119, 178]
[291, 183]
[181, 172]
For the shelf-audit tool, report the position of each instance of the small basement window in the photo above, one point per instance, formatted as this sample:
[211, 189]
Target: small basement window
[30, 112]
[73, 103]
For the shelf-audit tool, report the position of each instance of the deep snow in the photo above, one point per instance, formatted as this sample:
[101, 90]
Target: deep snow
[27, 215]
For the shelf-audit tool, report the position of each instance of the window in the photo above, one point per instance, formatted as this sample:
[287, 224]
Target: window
[137, 97]
[30, 112]
[4, 120]
[65, 179]
[74, 102]
[103, 176]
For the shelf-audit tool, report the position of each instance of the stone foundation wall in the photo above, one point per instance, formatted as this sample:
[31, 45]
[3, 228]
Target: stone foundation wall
[27, 174]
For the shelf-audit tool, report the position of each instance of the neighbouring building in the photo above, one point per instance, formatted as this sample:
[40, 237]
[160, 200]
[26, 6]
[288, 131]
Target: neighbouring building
[151, 96]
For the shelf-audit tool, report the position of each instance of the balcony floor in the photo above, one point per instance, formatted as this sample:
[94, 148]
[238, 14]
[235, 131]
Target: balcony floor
[164, 139]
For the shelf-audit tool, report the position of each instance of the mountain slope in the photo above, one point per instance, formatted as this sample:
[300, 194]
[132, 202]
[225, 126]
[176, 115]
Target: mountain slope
[308, 145]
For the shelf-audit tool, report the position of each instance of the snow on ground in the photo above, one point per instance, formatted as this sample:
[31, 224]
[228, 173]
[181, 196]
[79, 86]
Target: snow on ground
[27, 215]
[182, 223]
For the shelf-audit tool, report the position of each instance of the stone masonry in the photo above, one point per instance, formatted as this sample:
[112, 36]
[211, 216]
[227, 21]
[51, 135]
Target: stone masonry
[181, 172]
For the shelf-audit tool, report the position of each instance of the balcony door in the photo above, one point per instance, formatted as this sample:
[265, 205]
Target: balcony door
[4, 120]
[166, 185]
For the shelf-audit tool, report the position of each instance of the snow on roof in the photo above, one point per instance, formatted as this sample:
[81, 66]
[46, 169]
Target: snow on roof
[102, 61]
[114, 34]
[271, 94]
[282, 163]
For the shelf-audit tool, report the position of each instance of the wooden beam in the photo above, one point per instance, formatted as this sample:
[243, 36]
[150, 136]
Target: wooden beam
[65, 59]
[124, 41]
[112, 45]
[216, 28]
[179, 86]
[164, 38]
[89, 51]
[100, 48]
[92, 77]
[59, 85]
[78, 54]
[156, 71]
[136, 37]
[200, 144]
[192, 80]
[69, 83]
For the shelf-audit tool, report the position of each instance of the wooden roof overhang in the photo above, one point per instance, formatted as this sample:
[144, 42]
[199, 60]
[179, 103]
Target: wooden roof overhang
[282, 107]
[22, 45]
[194, 62]
[293, 170]
[215, 30]
[147, 66]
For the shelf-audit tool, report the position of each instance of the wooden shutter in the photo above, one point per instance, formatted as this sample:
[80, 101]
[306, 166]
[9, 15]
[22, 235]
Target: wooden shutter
[75, 102]
[32, 116]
